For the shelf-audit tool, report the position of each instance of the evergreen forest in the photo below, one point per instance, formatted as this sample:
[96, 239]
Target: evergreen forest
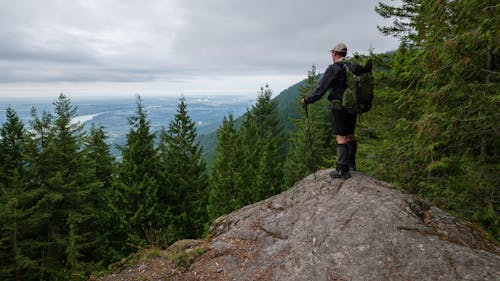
[69, 209]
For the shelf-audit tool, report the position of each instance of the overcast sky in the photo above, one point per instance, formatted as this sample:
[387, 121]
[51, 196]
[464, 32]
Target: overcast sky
[173, 47]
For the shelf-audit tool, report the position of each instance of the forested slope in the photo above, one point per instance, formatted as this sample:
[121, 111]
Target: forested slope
[67, 208]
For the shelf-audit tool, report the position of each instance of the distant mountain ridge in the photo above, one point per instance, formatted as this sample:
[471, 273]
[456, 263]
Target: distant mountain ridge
[287, 107]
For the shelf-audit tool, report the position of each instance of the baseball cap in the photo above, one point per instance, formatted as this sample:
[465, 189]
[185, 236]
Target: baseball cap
[340, 47]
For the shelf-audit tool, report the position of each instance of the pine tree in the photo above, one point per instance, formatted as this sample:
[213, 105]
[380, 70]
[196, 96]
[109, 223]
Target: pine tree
[225, 180]
[69, 178]
[102, 166]
[263, 148]
[15, 229]
[166, 193]
[448, 64]
[272, 141]
[133, 196]
[247, 138]
[184, 175]
[312, 145]
[73, 179]
[56, 207]
[98, 152]
[39, 158]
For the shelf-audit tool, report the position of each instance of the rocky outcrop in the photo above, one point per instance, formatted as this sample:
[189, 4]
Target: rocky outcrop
[354, 229]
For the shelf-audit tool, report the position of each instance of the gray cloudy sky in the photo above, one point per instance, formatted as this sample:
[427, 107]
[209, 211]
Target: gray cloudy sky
[155, 47]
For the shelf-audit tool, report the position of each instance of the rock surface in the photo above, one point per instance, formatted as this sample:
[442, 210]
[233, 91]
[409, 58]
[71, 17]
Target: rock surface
[324, 229]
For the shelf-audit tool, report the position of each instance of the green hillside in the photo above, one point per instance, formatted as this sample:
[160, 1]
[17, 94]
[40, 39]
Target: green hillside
[69, 209]
[287, 105]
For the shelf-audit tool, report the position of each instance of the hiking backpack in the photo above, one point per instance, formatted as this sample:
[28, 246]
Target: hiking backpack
[358, 96]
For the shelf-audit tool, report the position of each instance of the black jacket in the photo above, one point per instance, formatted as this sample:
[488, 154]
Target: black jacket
[334, 80]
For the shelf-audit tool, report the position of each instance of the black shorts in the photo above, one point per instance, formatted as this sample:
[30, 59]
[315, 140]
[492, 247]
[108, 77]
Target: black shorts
[343, 122]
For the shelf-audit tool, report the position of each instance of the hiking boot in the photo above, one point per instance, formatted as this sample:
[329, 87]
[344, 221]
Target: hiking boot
[351, 158]
[340, 173]
[342, 170]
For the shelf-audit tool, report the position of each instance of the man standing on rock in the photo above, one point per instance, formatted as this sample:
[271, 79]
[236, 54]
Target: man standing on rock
[343, 122]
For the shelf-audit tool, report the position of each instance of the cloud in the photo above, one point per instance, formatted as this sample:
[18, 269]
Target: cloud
[275, 34]
[177, 40]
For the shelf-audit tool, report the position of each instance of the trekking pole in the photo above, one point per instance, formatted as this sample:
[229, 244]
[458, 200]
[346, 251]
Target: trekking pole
[310, 142]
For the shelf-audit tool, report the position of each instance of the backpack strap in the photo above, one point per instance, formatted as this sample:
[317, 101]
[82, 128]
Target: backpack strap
[345, 64]
[347, 67]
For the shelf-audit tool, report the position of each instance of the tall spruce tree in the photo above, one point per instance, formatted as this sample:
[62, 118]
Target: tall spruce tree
[184, 175]
[263, 148]
[312, 145]
[225, 181]
[71, 228]
[247, 135]
[98, 152]
[448, 61]
[272, 142]
[39, 137]
[60, 212]
[102, 167]
[16, 229]
[133, 197]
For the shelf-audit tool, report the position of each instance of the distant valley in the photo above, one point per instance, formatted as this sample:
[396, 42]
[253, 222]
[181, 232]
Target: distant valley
[113, 113]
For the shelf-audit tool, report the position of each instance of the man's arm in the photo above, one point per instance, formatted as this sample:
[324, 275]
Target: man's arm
[323, 86]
